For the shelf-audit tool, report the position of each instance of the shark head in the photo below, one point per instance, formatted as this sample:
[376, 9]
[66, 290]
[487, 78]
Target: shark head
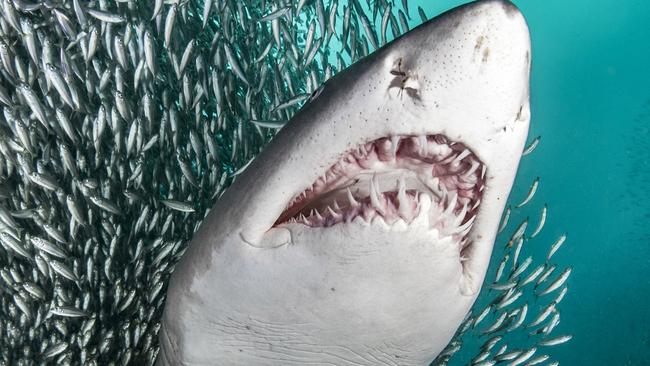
[362, 233]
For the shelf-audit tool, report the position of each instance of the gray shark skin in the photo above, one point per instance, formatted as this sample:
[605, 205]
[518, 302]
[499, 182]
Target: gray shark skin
[260, 284]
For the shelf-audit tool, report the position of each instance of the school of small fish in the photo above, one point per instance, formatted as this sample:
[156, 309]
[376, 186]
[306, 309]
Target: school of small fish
[123, 121]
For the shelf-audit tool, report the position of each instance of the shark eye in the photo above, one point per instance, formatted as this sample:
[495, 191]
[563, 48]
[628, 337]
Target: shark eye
[389, 180]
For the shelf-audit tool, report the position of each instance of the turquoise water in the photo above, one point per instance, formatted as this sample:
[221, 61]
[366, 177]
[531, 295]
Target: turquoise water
[589, 84]
[589, 101]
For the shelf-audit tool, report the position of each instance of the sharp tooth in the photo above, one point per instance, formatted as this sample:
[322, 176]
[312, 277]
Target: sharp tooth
[302, 219]
[379, 221]
[336, 206]
[423, 208]
[422, 140]
[318, 216]
[394, 144]
[471, 170]
[399, 225]
[461, 215]
[434, 185]
[483, 171]
[374, 195]
[331, 212]
[464, 243]
[464, 229]
[460, 157]
[359, 221]
[404, 206]
[363, 150]
[353, 202]
[478, 202]
[451, 203]
[349, 215]
[401, 187]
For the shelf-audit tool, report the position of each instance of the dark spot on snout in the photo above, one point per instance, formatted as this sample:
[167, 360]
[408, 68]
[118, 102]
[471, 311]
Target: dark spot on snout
[413, 93]
[479, 43]
[518, 118]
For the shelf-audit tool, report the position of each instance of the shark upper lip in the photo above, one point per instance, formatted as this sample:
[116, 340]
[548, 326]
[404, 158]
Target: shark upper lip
[388, 178]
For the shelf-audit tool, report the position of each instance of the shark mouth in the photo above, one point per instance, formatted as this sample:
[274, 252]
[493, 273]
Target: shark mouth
[395, 182]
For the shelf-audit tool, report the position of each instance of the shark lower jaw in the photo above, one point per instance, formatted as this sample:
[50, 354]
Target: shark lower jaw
[397, 182]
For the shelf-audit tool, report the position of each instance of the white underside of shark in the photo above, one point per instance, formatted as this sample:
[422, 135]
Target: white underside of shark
[362, 233]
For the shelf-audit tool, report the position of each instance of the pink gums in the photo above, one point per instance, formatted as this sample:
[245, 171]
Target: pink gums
[450, 174]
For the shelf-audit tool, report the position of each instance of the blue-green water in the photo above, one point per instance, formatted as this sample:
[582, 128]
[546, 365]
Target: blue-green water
[589, 87]
[589, 99]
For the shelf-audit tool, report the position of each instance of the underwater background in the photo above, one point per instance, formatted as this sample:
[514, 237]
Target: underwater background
[111, 157]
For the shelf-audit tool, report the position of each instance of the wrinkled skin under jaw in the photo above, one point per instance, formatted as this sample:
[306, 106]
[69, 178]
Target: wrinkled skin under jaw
[394, 183]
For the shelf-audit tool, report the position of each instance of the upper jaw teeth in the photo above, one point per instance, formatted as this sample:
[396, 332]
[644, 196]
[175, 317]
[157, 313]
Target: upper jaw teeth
[428, 168]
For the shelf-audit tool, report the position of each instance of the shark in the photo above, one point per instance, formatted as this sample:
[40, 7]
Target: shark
[362, 233]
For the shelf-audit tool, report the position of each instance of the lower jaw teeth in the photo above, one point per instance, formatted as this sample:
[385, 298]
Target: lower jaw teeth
[430, 171]
[399, 210]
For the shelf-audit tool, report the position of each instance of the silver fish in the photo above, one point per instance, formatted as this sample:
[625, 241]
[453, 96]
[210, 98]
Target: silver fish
[14, 244]
[232, 60]
[178, 205]
[554, 248]
[533, 275]
[504, 221]
[276, 14]
[523, 357]
[543, 315]
[169, 23]
[105, 16]
[542, 221]
[531, 193]
[34, 103]
[530, 148]
[48, 247]
[555, 341]
[68, 312]
[557, 283]
[63, 270]
[59, 84]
